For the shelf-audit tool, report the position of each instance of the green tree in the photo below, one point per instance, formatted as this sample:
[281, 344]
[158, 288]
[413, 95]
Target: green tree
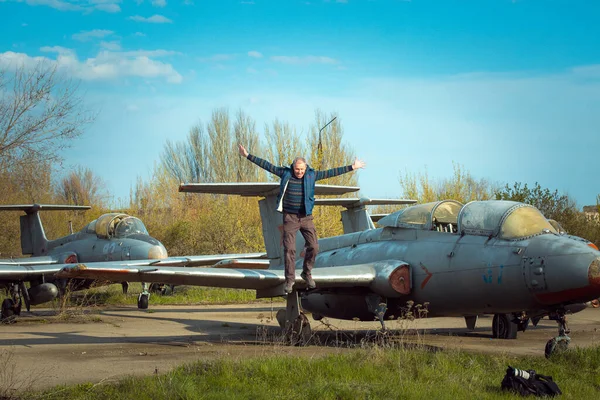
[552, 204]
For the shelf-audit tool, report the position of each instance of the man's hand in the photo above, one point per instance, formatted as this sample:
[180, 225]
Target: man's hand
[358, 164]
[243, 151]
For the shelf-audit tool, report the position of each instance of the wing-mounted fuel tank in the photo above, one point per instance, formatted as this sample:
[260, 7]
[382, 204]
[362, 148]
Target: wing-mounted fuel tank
[392, 282]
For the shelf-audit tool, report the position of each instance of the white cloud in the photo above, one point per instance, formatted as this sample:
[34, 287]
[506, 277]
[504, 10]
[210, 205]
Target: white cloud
[254, 54]
[84, 36]
[139, 34]
[188, 2]
[114, 45]
[87, 6]
[304, 60]
[155, 19]
[24, 24]
[150, 53]
[106, 65]
[587, 71]
[251, 70]
[110, 8]
[159, 3]
[217, 58]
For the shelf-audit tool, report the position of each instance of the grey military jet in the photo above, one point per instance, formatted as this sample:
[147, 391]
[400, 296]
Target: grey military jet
[112, 237]
[486, 257]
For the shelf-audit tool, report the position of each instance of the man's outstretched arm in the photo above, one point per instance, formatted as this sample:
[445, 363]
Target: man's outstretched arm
[264, 164]
[330, 173]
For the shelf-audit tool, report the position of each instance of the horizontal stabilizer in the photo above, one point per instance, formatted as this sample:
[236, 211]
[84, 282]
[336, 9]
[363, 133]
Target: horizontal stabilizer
[353, 202]
[258, 189]
[31, 208]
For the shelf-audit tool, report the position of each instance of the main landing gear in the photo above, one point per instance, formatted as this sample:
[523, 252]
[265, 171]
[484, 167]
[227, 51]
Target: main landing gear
[12, 307]
[295, 325]
[144, 297]
[561, 342]
[506, 326]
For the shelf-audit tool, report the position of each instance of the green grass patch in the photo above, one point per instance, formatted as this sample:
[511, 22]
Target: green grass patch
[113, 295]
[376, 373]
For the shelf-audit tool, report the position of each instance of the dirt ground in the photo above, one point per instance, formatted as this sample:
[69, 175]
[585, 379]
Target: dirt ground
[41, 350]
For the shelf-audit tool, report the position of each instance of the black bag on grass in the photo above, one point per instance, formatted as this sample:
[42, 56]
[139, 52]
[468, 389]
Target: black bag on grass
[528, 382]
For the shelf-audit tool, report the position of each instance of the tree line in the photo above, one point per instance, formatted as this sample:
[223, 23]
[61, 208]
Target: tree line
[41, 113]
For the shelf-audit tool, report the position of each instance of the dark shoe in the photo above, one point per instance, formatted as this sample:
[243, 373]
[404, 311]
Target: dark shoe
[289, 287]
[309, 280]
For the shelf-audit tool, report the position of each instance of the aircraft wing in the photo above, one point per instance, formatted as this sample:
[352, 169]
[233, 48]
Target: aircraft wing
[41, 260]
[17, 272]
[390, 278]
[253, 260]
[203, 260]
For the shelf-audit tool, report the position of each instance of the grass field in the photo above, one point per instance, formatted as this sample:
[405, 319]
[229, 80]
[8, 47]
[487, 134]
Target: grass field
[379, 372]
[113, 295]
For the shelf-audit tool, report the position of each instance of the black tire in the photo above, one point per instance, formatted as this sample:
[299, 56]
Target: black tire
[503, 327]
[556, 346]
[8, 310]
[143, 301]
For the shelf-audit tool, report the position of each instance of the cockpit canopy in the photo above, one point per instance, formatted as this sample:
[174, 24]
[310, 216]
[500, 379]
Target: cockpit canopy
[115, 225]
[507, 220]
[438, 215]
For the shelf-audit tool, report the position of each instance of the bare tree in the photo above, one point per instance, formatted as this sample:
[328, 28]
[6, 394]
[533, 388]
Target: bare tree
[40, 112]
[82, 187]
[283, 144]
[244, 130]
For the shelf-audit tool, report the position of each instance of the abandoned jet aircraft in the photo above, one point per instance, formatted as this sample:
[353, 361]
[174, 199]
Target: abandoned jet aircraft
[111, 237]
[485, 257]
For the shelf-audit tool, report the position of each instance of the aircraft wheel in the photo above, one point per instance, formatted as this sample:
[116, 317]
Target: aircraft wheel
[143, 301]
[556, 345]
[157, 288]
[8, 310]
[503, 327]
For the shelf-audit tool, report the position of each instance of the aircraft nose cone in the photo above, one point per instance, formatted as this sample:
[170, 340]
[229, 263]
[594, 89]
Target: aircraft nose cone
[594, 273]
[157, 253]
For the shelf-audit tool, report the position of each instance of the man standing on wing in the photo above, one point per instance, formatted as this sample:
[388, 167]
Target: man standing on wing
[296, 200]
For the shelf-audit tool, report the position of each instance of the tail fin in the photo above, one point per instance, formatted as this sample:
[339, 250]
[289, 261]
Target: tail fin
[356, 217]
[271, 218]
[33, 237]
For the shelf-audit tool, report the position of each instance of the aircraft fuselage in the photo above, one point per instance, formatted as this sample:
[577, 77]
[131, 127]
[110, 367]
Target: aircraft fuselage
[462, 275]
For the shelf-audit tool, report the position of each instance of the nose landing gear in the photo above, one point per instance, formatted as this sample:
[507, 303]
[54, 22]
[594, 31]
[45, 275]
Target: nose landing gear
[561, 342]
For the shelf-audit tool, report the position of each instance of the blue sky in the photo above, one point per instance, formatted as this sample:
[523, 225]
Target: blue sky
[510, 89]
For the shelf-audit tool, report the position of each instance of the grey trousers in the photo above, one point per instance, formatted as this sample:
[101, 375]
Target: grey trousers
[291, 224]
